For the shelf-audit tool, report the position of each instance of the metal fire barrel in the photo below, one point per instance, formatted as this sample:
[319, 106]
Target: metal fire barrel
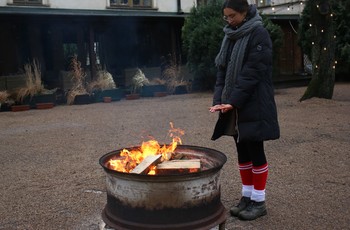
[173, 202]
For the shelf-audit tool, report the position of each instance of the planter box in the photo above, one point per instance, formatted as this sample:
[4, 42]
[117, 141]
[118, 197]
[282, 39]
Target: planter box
[160, 94]
[82, 99]
[180, 89]
[44, 105]
[114, 94]
[39, 98]
[4, 107]
[133, 96]
[44, 99]
[18, 108]
[149, 90]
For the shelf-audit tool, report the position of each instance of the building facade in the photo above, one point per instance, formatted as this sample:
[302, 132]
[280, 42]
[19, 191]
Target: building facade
[115, 34]
[112, 34]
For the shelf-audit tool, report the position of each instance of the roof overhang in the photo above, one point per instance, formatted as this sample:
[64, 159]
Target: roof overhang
[283, 16]
[110, 12]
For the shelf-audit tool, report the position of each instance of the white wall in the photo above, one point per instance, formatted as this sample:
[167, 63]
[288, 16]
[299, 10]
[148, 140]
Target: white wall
[78, 4]
[162, 5]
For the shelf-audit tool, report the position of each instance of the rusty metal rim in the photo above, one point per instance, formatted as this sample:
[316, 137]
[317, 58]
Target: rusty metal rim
[216, 219]
[216, 155]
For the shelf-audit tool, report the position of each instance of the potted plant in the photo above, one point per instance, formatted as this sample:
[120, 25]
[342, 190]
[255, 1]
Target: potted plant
[174, 80]
[78, 94]
[34, 93]
[138, 80]
[104, 88]
[156, 87]
[5, 101]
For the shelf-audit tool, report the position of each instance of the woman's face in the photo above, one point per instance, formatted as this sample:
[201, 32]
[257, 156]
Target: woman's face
[233, 18]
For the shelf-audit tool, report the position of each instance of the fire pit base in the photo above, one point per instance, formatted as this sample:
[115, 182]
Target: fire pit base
[185, 201]
[217, 219]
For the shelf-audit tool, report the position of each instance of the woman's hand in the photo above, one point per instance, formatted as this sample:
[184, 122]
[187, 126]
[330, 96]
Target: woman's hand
[222, 107]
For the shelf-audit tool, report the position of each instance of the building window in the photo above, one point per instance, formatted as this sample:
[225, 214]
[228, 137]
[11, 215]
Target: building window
[202, 2]
[28, 2]
[263, 3]
[131, 3]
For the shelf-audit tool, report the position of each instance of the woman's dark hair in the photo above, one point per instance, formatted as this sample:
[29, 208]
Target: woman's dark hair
[237, 5]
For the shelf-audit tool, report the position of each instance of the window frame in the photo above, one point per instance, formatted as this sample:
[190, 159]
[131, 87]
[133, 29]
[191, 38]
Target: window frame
[28, 2]
[130, 4]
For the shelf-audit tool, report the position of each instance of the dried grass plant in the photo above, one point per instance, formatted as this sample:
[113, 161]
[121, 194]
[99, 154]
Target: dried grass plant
[104, 81]
[78, 78]
[32, 73]
[157, 81]
[172, 76]
[139, 80]
[4, 96]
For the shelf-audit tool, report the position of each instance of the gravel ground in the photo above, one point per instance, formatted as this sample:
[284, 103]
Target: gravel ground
[51, 179]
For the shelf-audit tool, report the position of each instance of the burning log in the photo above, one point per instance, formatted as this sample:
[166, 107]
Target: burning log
[178, 166]
[145, 166]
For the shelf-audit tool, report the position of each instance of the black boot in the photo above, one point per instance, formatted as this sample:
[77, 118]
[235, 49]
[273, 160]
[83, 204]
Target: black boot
[243, 203]
[253, 211]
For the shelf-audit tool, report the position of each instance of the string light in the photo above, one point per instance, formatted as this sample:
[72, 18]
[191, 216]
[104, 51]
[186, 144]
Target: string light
[290, 6]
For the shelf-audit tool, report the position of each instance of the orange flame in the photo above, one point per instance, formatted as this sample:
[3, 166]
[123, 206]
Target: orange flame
[129, 159]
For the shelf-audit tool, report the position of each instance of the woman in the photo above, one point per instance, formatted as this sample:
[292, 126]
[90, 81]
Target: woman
[244, 98]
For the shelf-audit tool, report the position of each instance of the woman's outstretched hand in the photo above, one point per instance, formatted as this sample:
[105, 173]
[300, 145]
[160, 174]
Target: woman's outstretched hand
[222, 108]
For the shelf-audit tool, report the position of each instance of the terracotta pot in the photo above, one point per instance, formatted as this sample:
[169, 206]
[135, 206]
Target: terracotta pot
[160, 94]
[17, 108]
[149, 90]
[44, 105]
[107, 99]
[132, 96]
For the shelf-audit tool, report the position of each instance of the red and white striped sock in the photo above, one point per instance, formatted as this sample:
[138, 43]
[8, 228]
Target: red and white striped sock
[246, 173]
[259, 180]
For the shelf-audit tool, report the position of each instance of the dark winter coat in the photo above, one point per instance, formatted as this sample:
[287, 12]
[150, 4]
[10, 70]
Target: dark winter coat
[255, 117]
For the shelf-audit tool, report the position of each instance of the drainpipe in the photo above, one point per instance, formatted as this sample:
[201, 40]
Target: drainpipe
[179, 10]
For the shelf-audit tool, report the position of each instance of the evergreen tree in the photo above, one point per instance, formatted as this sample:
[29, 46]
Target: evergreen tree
[202, 35]
[324, 37]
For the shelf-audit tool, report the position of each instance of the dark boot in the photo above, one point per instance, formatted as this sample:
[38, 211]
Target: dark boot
[253, 211]
[243, 203]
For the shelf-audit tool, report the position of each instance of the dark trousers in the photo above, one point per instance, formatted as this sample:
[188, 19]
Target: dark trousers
[251, 151]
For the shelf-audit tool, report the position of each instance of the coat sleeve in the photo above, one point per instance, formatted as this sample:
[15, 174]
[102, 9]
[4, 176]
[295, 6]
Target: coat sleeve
[219, 85]
[256, 61]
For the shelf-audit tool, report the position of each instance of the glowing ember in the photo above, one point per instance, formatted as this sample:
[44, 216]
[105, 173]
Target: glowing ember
[129, 159]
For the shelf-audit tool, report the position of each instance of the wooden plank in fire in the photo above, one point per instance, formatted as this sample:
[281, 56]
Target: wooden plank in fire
[146, 164]
[177, 166]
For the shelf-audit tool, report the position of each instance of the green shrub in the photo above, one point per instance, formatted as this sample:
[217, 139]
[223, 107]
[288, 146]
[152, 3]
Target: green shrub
[202, 35]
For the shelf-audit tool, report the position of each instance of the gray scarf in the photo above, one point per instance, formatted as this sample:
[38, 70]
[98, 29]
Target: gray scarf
[240, 36]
